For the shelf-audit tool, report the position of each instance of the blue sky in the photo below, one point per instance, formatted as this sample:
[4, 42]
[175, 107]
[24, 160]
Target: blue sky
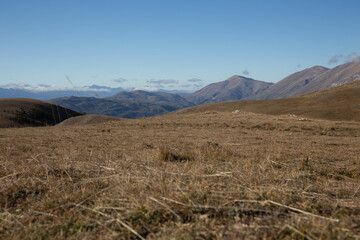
[139, 43]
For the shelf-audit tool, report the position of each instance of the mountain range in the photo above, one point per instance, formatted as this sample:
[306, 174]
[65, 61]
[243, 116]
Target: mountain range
[127, 104]
[139, 103]
[336, 103]
[144, 104]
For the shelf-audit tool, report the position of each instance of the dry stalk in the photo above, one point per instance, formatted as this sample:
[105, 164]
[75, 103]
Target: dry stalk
[113, 219]
[167, 207]
[295, 230]
[10, 175]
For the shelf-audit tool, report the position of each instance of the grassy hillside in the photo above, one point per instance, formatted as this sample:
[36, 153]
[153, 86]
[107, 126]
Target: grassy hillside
[338, 103]
[20, 112]
[190, 176]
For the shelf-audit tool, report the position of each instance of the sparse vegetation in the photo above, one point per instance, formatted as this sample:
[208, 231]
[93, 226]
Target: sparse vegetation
[191, 176]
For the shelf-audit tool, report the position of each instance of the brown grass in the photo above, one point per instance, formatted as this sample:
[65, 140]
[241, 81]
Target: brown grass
[194, 176]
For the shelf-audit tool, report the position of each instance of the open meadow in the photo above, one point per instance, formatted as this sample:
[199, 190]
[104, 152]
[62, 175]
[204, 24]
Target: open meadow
[183, 176]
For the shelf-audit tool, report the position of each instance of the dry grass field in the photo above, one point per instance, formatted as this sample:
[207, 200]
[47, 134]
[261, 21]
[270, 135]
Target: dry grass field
[182, 176]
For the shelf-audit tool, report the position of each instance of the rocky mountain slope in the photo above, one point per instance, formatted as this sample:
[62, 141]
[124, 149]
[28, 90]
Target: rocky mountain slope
[233, 88]
[309, 80]
[289, 85]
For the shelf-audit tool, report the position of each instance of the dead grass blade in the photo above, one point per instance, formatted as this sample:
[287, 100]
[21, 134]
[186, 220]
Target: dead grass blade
[295, 230]
[287, 207]
[10, 175]
[218, 174]
[167, 207]
[113, 219]
[300, 211]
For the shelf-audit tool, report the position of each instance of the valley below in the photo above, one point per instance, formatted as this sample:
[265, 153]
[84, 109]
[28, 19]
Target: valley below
[201, 175]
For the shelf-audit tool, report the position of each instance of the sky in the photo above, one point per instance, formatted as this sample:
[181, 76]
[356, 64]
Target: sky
[171, 44]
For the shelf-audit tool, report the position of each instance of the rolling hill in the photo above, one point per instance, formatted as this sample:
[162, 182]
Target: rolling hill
[20, 112]
[135, 104]
[337, 103]
[158, 98]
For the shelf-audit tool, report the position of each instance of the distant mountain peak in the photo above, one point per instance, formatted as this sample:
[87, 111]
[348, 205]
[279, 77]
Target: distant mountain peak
[318, 66]
[239, 77]
[234, 88]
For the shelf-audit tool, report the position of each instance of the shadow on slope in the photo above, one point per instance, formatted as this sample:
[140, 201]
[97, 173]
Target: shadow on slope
[24, 112]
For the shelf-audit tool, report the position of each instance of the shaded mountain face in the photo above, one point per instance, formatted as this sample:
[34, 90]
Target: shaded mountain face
[152, 97]
[309, 80]
[24, 112]
[127, 104]
[234, 88]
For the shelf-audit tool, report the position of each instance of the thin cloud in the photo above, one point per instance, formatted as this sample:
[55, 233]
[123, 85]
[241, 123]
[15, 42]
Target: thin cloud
[119, 80]
[195, 80]
[335, 59]
[69, 80]
[147, 88]
[49, 88]
[163, 81]
[353, 57]
[340, 58]
[246, 72]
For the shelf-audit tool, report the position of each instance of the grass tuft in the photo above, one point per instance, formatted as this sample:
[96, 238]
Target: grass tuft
[168, 154]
